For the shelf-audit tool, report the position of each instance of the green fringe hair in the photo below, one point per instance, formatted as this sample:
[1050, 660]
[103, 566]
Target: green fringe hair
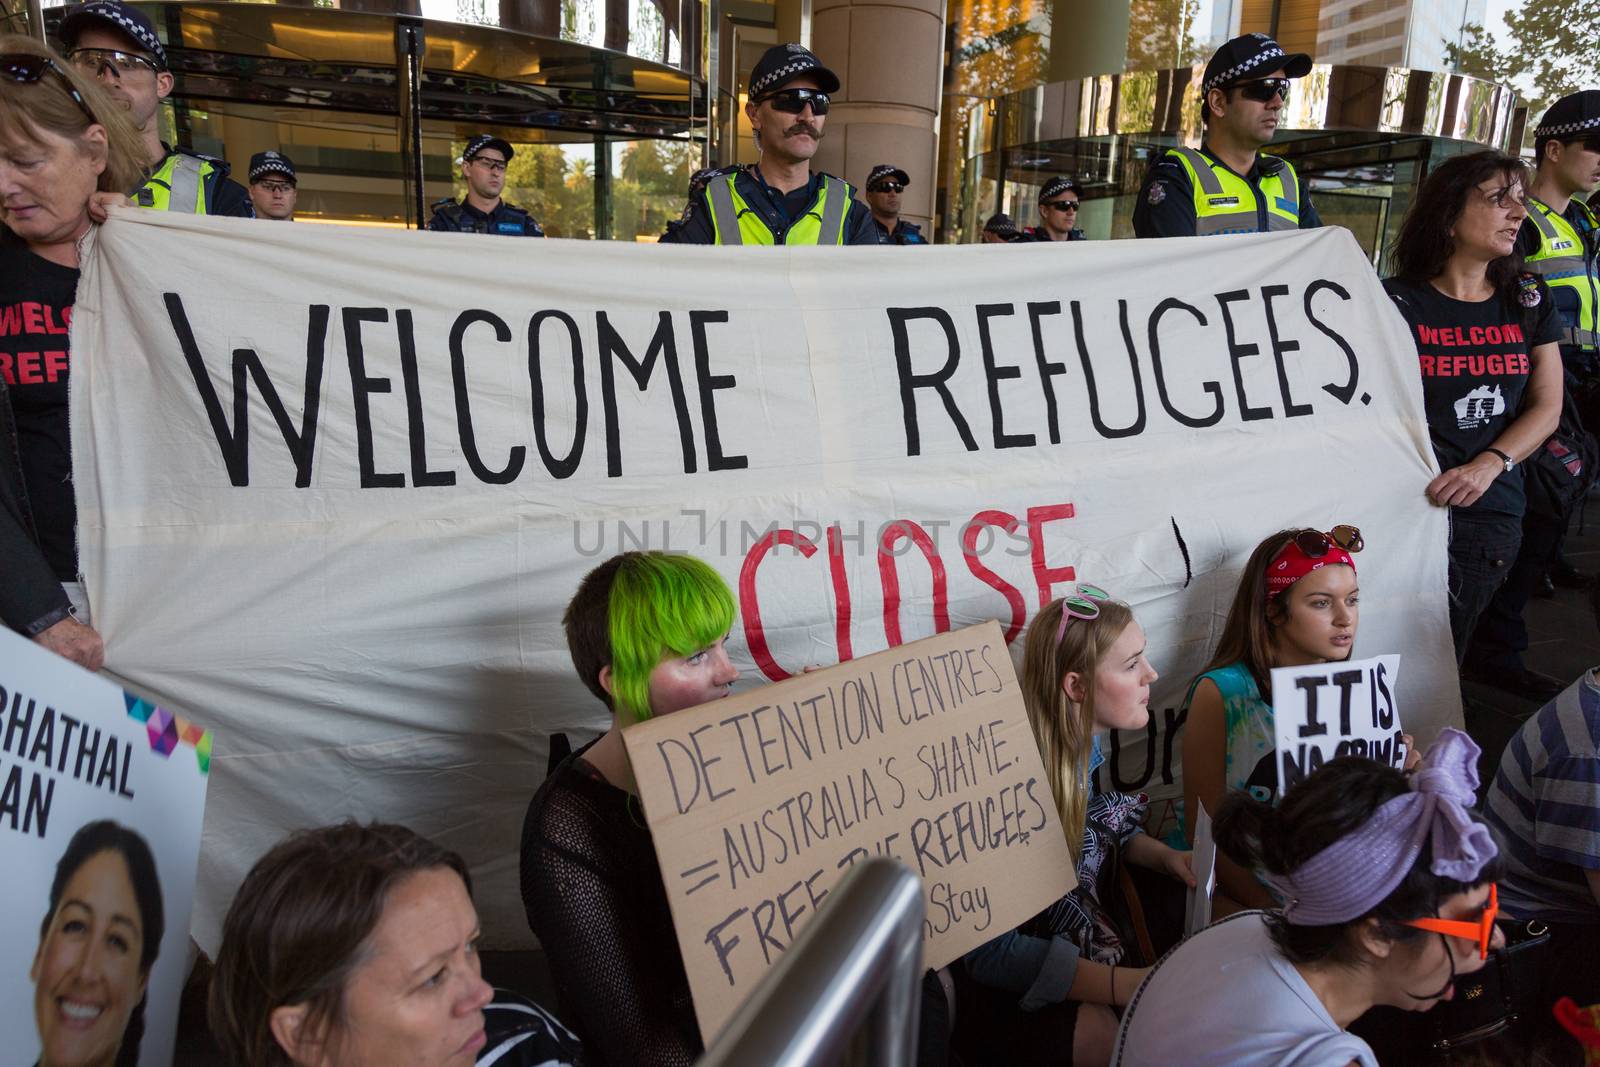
[661, 604]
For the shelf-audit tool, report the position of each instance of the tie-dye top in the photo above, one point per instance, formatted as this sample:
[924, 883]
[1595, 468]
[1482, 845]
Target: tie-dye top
[1249, 756]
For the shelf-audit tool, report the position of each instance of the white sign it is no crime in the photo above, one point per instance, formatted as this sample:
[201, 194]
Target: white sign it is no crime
[1324, 710]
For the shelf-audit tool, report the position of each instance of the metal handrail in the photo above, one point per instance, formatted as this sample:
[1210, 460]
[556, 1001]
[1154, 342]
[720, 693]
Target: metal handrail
[848, 990]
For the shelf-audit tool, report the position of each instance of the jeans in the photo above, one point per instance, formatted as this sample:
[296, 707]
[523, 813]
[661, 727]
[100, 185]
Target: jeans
[1483, 546]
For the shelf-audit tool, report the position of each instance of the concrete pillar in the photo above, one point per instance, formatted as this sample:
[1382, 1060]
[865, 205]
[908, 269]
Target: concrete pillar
[887, 55]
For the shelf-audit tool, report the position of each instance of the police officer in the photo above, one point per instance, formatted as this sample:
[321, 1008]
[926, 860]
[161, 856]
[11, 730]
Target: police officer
[780, 199]
[1059, 199]
[273, 186]
[483, 165]
[1000, 229]
[885, 183]
[1227, 185]
[1559, 240]
[118, 44]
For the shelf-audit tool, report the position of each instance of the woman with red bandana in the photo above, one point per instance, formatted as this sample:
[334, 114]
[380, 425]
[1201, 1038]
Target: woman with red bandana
[1298, 602]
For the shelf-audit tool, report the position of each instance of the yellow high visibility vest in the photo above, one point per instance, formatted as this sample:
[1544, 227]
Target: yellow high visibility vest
[1563, 260]
[1226, 203]
[182, 183]
[734, 222]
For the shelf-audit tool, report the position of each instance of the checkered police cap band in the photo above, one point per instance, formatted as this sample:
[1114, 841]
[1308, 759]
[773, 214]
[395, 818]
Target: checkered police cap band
[1566, 129]
[1239, 70]
[272, 166]
[126, 21]
[794, 66]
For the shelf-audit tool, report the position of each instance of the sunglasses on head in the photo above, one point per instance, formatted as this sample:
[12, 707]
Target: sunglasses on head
[794, 101]
[1084, 605]
[25, 68]
[1480, 930]
[1263, 89]
[1315, 543]
[1060, 205]
[94, 60]
[887, 187]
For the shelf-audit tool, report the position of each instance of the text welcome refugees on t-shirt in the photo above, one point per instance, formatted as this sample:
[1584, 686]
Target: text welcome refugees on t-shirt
[36, 298]
[1474, 357]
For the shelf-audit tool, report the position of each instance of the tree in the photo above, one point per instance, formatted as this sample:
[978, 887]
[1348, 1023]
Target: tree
[1552, 41]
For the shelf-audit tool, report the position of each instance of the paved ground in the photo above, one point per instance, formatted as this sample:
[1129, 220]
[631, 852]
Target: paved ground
[1565, 642]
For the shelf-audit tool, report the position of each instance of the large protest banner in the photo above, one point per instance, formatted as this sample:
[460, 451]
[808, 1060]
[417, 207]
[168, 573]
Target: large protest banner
[335, 486]
[101, 800]
[921, 753]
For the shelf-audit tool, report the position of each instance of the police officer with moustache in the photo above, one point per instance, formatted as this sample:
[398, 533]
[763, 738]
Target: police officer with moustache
[483, 165]
[1227, 185]
[117, 44]
[1059, 200]
[779, 199]
[885, 183]
[1560, 241]
[273, 186]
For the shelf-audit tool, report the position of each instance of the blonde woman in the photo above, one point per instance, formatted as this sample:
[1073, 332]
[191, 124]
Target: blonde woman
[1049, 986]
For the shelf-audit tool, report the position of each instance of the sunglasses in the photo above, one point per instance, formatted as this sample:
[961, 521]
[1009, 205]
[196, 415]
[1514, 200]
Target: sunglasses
[25, 68]
[1588, 144]
[887, 187]
[1062, 206]
[1480, 929]
[97, 60]
[794, 101]
[1084, 605]
[1315, 543]
[1263, 89]
[495, 166]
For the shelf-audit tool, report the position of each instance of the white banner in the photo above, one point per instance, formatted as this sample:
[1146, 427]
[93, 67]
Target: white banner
[336, 485]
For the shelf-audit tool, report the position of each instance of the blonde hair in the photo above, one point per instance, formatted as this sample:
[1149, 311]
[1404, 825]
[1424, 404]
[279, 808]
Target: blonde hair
[28, 107]
[1063, 728]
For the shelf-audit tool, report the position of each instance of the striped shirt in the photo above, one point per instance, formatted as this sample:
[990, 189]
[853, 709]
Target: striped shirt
[1545, 807]
[522, 1034]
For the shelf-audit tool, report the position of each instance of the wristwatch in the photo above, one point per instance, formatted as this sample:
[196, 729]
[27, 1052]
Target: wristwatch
[1507, 460]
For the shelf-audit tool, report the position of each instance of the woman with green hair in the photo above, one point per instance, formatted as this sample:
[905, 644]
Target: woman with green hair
[648, 634]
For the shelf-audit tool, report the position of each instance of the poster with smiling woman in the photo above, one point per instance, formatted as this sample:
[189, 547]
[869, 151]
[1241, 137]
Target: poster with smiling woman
[101, 800]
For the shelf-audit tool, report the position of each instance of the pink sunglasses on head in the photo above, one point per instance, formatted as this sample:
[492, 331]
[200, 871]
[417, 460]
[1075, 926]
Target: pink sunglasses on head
[1084, 605]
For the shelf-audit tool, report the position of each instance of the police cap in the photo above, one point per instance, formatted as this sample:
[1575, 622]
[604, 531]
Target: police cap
[1571, 117]
[116, 15]
[783, 63]
[1253, 55]
[886, 170]
[486, 140]
[1001, 225]
[1056, 186]
[266, 163]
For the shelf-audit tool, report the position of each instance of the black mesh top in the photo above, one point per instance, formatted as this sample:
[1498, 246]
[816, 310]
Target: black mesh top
[594, 897]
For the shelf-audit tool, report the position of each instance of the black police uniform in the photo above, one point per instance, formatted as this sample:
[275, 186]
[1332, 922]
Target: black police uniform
[452, 216]
[1038, 233]
[778, 210]
[904, 233]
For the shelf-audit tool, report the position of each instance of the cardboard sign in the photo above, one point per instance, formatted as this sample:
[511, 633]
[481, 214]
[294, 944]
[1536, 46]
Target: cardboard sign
[103, 792]
[1325, 710]
[760, 802]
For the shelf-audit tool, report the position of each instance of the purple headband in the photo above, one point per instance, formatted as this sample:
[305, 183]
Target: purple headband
[1356, 873]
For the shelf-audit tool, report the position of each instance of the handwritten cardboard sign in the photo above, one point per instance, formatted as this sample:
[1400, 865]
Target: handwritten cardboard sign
[1324, 710]
[760, 802]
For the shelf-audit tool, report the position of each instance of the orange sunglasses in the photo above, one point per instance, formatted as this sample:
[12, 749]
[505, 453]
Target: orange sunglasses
[1480, 930]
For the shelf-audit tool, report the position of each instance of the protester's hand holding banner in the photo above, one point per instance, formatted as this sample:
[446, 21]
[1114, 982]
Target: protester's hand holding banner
[101, 798]
[758, 804]
[345, 510]
[1324, 710]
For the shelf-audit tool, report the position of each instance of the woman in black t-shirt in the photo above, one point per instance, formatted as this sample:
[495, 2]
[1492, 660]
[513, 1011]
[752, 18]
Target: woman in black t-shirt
[61, 142]
[1486, 337]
